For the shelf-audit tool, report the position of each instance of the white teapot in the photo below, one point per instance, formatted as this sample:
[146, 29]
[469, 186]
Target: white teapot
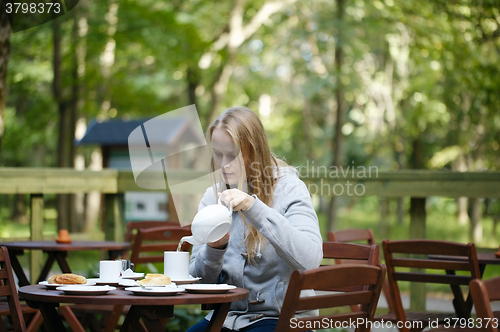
[210, 224]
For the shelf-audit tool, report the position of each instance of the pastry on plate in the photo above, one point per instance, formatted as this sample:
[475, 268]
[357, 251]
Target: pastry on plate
[67, 279]
[155, 279]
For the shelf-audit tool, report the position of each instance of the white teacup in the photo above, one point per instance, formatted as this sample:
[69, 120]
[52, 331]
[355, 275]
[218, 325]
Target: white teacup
[110, 270]
[176, 264]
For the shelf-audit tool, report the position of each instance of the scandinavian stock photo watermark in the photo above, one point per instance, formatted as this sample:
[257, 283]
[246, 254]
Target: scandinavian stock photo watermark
[327, 323]
[336, 180]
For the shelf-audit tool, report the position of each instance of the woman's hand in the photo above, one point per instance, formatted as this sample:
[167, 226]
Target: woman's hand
[238, 199]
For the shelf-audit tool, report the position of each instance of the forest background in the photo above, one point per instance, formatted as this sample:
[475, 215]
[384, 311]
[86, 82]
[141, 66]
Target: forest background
[392, 84]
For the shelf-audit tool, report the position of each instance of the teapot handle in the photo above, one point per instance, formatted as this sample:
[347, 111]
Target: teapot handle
[230, 206]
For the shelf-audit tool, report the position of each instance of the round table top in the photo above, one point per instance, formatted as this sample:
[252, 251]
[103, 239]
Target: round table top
[120, 296]
[73, 246]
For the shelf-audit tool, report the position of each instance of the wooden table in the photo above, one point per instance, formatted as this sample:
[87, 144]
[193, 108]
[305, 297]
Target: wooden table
[483, 259]
[150, 308]
[58, 253]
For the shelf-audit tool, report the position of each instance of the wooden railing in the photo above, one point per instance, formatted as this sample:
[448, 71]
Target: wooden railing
[113, 184]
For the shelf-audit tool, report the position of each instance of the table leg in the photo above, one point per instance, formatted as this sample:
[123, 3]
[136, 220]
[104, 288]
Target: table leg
[458, 301]
[60, 257]
[70, 317]
[50, 316]
[218, 317]
[46, 268]
[18, 269]
[132, 318]
[154, 317]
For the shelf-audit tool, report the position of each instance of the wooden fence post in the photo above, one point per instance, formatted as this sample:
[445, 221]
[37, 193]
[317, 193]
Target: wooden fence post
[114, 217]
[417, 231]
[36, 216]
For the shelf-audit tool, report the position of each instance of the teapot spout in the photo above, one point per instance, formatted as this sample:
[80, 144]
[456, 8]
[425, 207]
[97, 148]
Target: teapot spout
[191, 239]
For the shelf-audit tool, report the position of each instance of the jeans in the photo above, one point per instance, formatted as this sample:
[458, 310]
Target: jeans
[265, 325]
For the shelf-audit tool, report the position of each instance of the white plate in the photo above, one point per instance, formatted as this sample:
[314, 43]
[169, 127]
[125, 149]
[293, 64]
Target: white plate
[190, 280]
[158, 291]
[54, 286]
[208, 288]
[86, 290]
[133, 276]
[127, 283]
[102, 282]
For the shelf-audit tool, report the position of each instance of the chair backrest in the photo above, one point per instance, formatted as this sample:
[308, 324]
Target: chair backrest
[351, 251]
[428, 256]
[363, 236]
[8, 289]
[134, 226]
[352, 235]
[150, 243]
[365, 277]
[483, 292]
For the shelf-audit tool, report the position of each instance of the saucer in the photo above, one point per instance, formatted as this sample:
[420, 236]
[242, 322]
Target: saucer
[208, 288]
[54, 286]
[158, 291]
[85, 290]
[187, 281]
[98, 281]
[133, 276]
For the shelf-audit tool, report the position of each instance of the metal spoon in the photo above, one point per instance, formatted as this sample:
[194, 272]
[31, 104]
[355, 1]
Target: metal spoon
[145, 288]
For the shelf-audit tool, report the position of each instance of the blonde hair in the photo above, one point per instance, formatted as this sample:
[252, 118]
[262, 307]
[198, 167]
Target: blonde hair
[247, 132]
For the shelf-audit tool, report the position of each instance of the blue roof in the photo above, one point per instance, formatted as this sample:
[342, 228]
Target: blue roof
[116, 132]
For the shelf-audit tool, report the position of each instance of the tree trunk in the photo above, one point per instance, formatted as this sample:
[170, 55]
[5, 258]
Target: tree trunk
[4, 60]
[337, 145]
[62, 146]
[219, 89]
[193, 80]
[384, 224]
[77, 222]
[476, 227]
[400, 211]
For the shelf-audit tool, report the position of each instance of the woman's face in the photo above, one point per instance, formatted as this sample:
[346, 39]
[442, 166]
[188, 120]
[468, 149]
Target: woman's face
[225, 154]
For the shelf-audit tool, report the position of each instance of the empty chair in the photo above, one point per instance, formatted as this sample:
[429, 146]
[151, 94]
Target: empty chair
[430, 257]
[352, 252]
[483, 292]
[134, 226]
[9, 303]
[356, 285]
[363, 236]
[150, 243]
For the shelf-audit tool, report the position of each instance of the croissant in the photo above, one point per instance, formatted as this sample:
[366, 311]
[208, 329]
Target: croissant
[67, 279]
[155, 279]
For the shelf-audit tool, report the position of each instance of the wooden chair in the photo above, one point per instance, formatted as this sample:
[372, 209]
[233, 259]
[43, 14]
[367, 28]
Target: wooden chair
[364, 236]
[134, 226]
[356, 285]
[352, 252]
[10, 305]
[482, 293]
[449, 257]
[150, 243]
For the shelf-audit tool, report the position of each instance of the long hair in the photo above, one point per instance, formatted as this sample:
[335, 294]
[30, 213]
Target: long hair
[255, 161]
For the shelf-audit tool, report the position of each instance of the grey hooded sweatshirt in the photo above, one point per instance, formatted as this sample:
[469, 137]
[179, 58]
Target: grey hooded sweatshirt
[293, 241]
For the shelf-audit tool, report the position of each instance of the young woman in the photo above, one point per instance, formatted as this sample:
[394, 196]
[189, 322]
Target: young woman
[274, 230]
